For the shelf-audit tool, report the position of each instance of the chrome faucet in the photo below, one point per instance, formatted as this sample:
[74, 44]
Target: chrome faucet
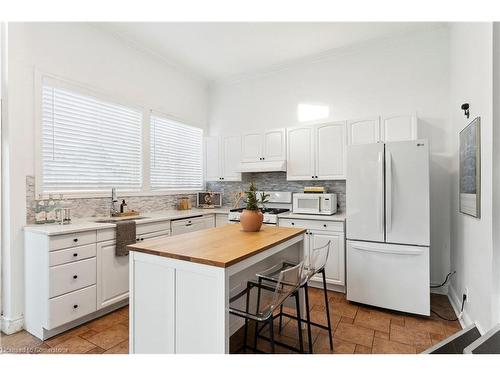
[114, 199]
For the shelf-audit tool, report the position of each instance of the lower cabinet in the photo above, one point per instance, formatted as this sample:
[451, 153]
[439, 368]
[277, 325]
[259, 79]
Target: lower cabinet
[193, 224]
[221, 220]
[113, 271]
[315, 237]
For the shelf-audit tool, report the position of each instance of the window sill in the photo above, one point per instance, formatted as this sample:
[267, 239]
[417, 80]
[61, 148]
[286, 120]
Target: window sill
[120, 194]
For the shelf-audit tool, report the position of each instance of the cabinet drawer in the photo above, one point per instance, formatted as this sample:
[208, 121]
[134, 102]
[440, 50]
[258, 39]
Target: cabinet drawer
[71, 306]
[332, 226]
[71, 276]
[72, 255]
[109, 234]
[64, 241]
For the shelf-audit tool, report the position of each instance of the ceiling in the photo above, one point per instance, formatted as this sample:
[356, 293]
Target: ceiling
[217, 51]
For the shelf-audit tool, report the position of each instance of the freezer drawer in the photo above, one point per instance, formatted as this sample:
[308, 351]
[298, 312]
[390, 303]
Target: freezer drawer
[394, 277]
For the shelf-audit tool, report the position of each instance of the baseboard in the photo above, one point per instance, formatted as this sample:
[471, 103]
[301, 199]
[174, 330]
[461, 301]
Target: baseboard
[444, 290]
[456, 303]
[10, 326]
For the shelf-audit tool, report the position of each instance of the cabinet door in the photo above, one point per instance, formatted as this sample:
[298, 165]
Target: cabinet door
[274, 145]
[300, 153]
[212, 159]
[334, 269]
[399, 128]
[330, 151]
[231, 158]
[251, 149]
[221, 220]
[112, 275]
[363, 131]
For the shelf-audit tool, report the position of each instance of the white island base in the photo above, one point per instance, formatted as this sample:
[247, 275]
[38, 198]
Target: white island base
[181, 306]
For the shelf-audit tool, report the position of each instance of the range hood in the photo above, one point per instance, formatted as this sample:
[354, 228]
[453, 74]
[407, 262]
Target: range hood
[263, 166]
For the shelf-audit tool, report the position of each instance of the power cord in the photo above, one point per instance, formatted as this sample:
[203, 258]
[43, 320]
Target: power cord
[464, 298]
[445, 280]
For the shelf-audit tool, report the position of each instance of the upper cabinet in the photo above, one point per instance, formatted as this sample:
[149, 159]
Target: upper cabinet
[398, 128]
[363, 131]
[266, 146]
[382, 129]
[222, 158]
[316, 152]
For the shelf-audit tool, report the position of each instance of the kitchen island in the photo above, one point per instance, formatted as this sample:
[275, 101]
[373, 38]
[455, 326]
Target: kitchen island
[180, 286]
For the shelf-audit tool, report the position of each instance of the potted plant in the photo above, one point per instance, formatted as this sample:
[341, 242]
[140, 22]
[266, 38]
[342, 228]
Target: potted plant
[251, 217]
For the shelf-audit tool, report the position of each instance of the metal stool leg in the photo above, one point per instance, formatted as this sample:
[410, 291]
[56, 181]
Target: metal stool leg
[271, 333]
[245, 336]
[308, 317]
[256, 322]
[281, 318]
[327, 309]
[299, 322]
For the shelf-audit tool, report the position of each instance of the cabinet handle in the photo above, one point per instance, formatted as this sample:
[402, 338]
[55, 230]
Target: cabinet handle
[75, 240]
[315, 176]
[188, 224]
[142, 239]
[75, 254]
[293, 223]
[137, 239]
[75, 306]
[324, 225]
[75, 277]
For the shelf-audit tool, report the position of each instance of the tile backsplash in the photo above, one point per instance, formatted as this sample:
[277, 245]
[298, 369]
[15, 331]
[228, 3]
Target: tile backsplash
[275, 181]
[92, 207]
[271, 181]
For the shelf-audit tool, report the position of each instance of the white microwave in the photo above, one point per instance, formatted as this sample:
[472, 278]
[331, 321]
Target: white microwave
[314, 204]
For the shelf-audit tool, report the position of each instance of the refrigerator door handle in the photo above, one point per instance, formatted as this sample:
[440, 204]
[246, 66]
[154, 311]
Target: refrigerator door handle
[388, 251]
[388, 187]
[380, 180]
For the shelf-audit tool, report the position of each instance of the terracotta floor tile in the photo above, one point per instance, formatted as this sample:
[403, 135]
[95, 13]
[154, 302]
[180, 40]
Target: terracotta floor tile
[424, 324]
[347, 320]
[437, 337]
[106, 321]
[398, 321]
[88, 334]
[346, 309]
[360, 349]
[20, 342]
[410, 336]
[77, 331]
[121, 348]
[382, 335]
[96, 350]
[322, 346]
[372, 320]
[383, 346]
[74, 345]
[110, 337]
[354, 334]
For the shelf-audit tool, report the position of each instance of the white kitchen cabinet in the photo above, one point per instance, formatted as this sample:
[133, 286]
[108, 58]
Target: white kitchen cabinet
[317, 152]
[319, 232]
[300, 153]
[113, 271]
[363, 131]
[221, 220]
[399, 128]
[222, 158]
[266, 146]
[193, 224]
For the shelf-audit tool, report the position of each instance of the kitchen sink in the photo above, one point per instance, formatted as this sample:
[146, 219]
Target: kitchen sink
[117, 219]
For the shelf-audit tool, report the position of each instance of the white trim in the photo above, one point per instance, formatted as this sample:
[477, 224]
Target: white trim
[466, 320]
[10, 326]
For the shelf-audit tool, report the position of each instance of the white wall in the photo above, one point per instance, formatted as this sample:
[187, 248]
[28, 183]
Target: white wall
[471, 81]
[400, 75]
[95, 58]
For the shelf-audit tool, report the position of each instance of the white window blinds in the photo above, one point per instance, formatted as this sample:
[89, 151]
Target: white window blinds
[176, 155]
[89, 145]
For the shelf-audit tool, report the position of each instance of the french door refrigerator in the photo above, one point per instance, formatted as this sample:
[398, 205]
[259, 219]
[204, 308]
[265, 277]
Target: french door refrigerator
[387, 225]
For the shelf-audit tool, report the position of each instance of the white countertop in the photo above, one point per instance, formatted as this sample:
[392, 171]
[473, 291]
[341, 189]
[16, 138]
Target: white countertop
[290, 215]
[80, 225]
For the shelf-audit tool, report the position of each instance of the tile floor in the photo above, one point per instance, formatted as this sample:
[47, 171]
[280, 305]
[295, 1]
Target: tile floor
[359, 329]
[356, 329]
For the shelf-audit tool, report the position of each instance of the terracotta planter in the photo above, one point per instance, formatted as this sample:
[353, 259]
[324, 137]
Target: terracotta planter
[251, 221]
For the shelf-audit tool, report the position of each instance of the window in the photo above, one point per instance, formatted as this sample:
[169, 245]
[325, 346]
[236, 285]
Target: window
[176, 155]
[88, 144]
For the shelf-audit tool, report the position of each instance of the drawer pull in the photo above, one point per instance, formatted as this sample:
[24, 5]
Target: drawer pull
[75, 306]
[75, 277]
[75, 254]
[75, 240]
[293, 223]
[324, 225]
[137, 239]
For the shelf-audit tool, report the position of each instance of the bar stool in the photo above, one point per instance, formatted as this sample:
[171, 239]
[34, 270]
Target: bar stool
[313, 264]
[270, 297]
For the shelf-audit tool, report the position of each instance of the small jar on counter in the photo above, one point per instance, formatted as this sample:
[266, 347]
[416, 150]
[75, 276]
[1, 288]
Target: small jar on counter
[184, 203]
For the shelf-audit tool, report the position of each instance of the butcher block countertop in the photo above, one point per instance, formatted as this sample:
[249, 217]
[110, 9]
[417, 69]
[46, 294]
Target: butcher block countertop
[220, 247]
